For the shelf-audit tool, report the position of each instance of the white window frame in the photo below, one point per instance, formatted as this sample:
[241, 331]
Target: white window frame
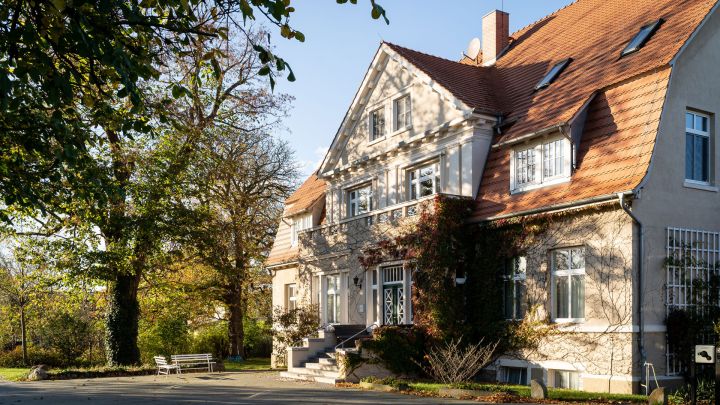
[336, 294]
[518, 275]
[570, 373]
[290, 296]
[567, 273]
[406, 100]
[538, 177]
[505, 374]
[414, 184]
[699, 133]
[371, 124]
[300, 223]
[354, 198]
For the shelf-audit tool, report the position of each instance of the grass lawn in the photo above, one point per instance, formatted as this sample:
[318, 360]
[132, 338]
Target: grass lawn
[13, 374]
[524, 392]
[249, 364]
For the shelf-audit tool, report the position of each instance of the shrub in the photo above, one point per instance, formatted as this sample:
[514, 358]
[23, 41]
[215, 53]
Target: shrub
[400, 348]
[212, 339]
[289, 327]
[36, 355]
[258, 338]
[68, 335]
[452, 363]
[166, 336]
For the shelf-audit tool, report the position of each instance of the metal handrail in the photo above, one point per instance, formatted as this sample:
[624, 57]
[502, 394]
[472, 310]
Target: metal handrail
[368, 328]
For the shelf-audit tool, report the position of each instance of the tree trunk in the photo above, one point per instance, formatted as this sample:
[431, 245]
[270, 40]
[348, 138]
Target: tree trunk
[122, 321]
[236, 331]
[23, 336]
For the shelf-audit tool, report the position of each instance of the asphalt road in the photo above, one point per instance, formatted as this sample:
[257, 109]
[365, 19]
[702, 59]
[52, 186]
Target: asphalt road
[224, 388]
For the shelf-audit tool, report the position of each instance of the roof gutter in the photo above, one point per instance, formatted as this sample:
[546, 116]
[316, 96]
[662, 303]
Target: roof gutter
[557, 127]
[640, 320]
[552, 208]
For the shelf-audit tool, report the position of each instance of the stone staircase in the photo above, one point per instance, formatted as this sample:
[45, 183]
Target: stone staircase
[316, 359]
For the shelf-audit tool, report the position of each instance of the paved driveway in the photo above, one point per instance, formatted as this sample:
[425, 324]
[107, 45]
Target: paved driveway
[225, 388]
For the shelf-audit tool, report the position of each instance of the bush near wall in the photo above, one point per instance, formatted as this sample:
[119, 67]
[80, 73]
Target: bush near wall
[401, 348]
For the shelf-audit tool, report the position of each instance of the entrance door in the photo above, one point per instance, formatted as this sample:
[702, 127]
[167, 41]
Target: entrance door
[393, 304]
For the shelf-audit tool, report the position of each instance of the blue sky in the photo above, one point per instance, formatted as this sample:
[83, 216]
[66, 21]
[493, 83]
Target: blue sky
[342, 39]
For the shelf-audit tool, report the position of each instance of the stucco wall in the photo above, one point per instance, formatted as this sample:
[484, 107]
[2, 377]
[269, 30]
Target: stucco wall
[665, 200]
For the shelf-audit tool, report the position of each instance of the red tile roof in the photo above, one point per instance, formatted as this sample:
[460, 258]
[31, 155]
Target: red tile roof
[473, 85]
[305, 197]
[627, 94]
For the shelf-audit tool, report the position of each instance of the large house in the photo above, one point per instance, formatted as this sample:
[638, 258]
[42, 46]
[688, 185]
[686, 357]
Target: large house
[603, 110]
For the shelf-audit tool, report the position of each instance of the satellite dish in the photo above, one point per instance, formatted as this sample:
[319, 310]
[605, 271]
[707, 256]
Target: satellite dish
[473, 48]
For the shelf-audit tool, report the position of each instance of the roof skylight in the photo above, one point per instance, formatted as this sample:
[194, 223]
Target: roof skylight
[641, 38]
[553, 74]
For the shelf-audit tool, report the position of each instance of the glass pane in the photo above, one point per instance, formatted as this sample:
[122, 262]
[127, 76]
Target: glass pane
[700, 123]
[561, 260]
[426, 187]
[689, 142]
[520, 266]
[562, 379]
[578, 296]
[573, 381]
[689, 121]
[561, 301]
[508, 295]
[705, 158]
[426, 171]
[698, 159]
[577, 259]
[519, 300]
[374, 304]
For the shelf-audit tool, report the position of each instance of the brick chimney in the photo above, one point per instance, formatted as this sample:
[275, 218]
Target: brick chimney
[495, 34]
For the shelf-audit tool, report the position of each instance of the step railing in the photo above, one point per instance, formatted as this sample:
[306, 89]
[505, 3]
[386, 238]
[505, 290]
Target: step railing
[369, 329]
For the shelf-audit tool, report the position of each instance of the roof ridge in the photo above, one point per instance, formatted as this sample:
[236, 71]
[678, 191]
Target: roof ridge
[528, 26]
[427, 54]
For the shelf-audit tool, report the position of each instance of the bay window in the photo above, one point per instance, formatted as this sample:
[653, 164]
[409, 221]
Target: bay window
[568, 272]
[424, 181]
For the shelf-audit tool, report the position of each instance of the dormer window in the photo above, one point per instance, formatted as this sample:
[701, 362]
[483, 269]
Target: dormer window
[402, 113]
[553, 74]
[300, 223]
[360, 200]
[540, 164]
[641, 38]
[377, 124]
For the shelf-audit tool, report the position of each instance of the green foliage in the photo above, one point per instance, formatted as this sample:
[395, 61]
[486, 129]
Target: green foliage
[165, 336]
[36, 355]
[211, 339]
[67, 334]
[400, 348]
[258, 338]
[705, 393]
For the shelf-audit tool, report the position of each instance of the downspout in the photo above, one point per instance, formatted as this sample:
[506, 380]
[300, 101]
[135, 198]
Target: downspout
[641, 323]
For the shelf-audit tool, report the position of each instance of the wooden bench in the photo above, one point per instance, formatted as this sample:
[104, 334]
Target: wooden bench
[193, 362]
[164, 367]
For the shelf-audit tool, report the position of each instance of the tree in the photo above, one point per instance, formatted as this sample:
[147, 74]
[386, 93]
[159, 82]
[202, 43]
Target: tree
[18, 282]
[102, 107]
[238, 187]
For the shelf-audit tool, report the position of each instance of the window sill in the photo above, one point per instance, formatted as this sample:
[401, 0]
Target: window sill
[566, 321]
[401, 130]
[377, 140]
[534, 186]
[700, 186]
